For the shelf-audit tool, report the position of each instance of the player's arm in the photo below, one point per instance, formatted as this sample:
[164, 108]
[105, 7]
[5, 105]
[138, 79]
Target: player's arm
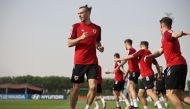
[98, 41]
[125, 59]
[156, 54]
[72, 42]
[180, 34]
[127, 72]
[157, 66]
[121, 68]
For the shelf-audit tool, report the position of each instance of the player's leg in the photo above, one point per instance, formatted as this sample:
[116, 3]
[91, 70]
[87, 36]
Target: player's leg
[96, 101]
[175, 80]
[165, 98]
[92, 74]
[133, 81]
[172, 96]
[183, 97]
[133, 93]
[121, 88]
[99, 97]
[182, 81]
[153, 95]
[74, 95]
[91, 92]
[125, 99]
[77, 78]
[116, 96]
[129, 97]
[142, 98]
[149, 85]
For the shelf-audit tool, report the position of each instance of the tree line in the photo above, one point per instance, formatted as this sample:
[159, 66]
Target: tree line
[56, 84]
[52, 84]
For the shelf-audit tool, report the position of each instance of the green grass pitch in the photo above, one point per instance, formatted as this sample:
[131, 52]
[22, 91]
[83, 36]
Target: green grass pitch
[58, 104]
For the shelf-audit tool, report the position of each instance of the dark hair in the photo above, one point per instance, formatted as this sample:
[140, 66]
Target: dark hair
[87, 8]
[117, 55]
[145, 43]
[167, 21]
[128, 41]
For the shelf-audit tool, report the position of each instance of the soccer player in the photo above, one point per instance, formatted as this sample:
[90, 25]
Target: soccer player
[160, 86]
[176, 71]
[99, 90]
[119, 83]
[134, 72]
[86, 37]
[146, 70]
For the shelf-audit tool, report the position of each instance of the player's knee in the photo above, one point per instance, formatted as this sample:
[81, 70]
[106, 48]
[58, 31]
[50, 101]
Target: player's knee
[92, 89]
[169, 93]
[140, 95]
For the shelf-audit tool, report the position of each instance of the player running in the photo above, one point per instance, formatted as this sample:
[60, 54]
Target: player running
[146, 70]
[176, 70]
[119, 84]
[99, 90]
[134, 73]
[86, 37]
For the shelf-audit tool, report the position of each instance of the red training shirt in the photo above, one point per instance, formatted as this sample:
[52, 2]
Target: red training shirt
[85, 50]
[145, 67]
[172, 51]
[133, 63]
[118, 73]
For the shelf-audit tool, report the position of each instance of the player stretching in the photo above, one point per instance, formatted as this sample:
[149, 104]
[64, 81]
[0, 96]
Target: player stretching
[119, 83]
[176, 71]
[99, 90]
[134, 73]
[86, 37]
[146, 70]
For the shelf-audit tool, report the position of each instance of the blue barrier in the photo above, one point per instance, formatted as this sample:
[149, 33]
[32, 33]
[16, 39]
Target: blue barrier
[31, 96]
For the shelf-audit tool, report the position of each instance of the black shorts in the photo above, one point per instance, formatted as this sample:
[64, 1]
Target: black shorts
[161, 91]
[141, 86]
[176, 77]
[160, 87]
[118, 85]
[79, 72]
[133, 76]
[99, 88]
[148, 82]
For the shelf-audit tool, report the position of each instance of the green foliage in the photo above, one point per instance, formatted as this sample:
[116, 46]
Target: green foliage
[54, 84]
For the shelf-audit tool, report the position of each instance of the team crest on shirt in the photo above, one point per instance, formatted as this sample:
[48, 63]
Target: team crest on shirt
[94, 31]
[82, 30]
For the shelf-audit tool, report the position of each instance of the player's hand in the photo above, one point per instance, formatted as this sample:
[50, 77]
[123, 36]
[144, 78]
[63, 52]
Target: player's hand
[84, 36]
[100, 48]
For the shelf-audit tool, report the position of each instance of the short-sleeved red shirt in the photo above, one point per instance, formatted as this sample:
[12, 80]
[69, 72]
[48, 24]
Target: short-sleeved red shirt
[172, 51]
[133, 63]
[99, 80]
[145, 67]
[118, 73]
[85, 50]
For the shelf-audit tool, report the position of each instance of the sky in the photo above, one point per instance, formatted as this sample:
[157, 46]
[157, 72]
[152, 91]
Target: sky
[34, 33]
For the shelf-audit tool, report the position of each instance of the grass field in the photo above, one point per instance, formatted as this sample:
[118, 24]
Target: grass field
[56, 104]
